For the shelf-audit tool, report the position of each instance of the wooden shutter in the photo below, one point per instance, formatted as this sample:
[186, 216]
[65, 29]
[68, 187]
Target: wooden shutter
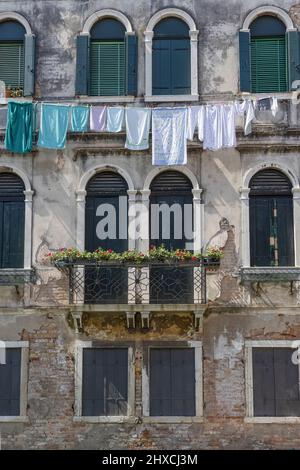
[171, 67]
[10, 378]
[263, 382]
[260, 231]
[29, 65]
[12, 63]
[105, 382]
[172, 382]
[285, 230]
[180, 67]
[275, 382]
[161, 67]
[245, 61]
[12, 221]
[293, 50]
[82, 65]
[107, 68]
[131, 44]
[268, 64]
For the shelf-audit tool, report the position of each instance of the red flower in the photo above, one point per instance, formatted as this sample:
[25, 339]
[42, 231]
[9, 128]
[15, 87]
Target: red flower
[194, 258]
[109, 251]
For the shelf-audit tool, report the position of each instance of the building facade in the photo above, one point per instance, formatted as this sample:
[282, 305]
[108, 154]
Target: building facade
[204, 359]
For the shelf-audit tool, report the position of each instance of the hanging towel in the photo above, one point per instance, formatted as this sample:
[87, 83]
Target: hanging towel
[228, 117]
[19, 129]
[201, 121]
[212, 139]
[137, 128]
[79, 118]
[98, 118]
[169, 142]
[53, 126]
[268, 104]
[115, 118]
[192, 120]
[246, 108]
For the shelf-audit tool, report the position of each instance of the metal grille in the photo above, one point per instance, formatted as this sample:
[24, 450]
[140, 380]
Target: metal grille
[176, 283]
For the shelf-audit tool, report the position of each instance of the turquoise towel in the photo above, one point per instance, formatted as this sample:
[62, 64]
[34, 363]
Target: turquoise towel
[53, 126]
[79, 118]
[19, 129]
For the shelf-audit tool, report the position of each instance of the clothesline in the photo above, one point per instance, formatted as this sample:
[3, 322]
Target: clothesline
[171, 126]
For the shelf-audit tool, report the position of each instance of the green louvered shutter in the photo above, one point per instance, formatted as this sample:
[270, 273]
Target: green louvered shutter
[268, 64]
[107, 68]
[12, 64]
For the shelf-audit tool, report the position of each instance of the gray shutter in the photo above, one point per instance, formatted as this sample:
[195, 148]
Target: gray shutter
[131, 45]
[286, 383]
[293, 61]
[172, 382]
[10, 378]
[245, 61]
[82, 65]
[263, 382]
[105, 382]
[29, 65]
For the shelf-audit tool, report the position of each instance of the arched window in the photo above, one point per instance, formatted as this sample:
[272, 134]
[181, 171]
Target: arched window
[106, 56]
[106, 221]
[12, 221]
[269, 52]
[268, 55]
[12, 34]
[170, 198]
[271, 219]
[171, 58]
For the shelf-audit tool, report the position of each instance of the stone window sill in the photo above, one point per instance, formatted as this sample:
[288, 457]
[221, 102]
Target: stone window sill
[173, 419]
[14, 419]
[273, 420]
[171, 98]
[105, 419]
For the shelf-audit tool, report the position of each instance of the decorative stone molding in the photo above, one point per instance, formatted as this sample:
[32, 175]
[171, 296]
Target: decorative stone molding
[272, 11]
[106, 13]
[10, 15]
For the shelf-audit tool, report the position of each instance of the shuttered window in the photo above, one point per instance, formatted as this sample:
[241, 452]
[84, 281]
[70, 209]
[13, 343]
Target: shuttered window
[172, 382]
[271, 219]
[275, 382]
[171, 58]
[10, 378]
[12, 64]
[105, 382]
[107, 68]
[268, 64]
[12, 221]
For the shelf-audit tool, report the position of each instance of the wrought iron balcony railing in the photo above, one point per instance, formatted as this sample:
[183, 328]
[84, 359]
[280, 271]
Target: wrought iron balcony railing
[128, 283]
[270, 274]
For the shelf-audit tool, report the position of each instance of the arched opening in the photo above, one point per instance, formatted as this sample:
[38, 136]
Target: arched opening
[268, 55]
[171, 210]
[271, 219]
[107, 58]
[106, 226]
[12, 220]
[12, 37]
[171, 58]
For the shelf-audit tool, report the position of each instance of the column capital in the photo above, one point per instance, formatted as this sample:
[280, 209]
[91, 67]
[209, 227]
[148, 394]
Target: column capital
[296, 193]
[244, 192]
[197, 194]
[194, 35]
[148, 36]
[81, 195]
[131, 195]
[28, 195]
[145, 194]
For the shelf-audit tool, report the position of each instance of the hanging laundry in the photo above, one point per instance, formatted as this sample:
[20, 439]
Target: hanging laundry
[79, 118]
[246, 108]
[192, 120]
[53, 126]
[201, 118]
[98, 118]
[169, 142]
[19, 129]
[268, 104]
[137, 122]
[212, 138]
[115, 118]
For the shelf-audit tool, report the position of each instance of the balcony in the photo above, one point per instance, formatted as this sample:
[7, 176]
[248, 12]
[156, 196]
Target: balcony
[270, 274]
[16, 276]
[130, 283]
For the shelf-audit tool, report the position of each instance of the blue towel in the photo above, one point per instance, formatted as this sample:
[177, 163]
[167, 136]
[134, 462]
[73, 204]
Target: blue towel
[79, 118]
[18, 136]
[53, 126]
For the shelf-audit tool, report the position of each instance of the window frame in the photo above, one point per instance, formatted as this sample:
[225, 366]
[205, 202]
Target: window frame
[148, 345]
[250, 417]
[148, 40]
[24, 369]
[79, 347]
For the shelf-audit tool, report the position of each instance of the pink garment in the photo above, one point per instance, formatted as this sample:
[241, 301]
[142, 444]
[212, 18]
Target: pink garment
[98, 118]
